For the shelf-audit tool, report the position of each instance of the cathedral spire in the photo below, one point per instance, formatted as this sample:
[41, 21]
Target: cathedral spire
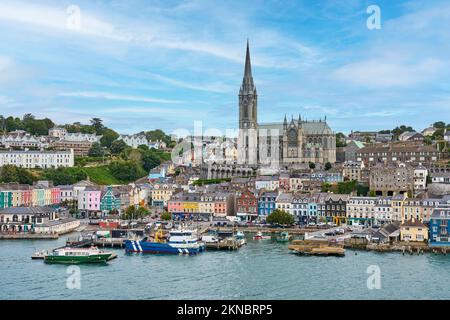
[248, 64]
[247, 82]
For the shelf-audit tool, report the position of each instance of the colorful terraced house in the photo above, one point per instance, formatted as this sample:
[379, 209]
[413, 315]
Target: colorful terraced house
[110, 201]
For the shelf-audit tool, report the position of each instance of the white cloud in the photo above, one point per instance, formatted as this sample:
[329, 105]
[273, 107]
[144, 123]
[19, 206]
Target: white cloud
[388, 73]
[118, 97]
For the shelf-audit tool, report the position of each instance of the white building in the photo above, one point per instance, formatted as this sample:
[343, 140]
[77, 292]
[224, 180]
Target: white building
[37, 159]
[361, 209]
[383, 210]
[24, 140]
[134, 140]
[57, 132]
[420, 178]
[81, 137]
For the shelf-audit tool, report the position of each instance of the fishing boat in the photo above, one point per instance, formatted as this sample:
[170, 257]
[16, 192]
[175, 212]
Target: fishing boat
[284, 237]
[259, 236]
[180, 241]
[77, 256]
[240, 238]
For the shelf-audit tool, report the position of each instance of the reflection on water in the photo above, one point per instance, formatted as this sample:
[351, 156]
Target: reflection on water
[260, 270]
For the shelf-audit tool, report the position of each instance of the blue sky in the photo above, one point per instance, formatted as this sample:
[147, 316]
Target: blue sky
[141, 65]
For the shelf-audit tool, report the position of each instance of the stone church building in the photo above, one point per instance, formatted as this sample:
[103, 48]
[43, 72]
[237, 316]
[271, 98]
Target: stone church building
[292, 141]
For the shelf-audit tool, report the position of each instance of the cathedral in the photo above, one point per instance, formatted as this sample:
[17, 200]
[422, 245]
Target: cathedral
[293, 141]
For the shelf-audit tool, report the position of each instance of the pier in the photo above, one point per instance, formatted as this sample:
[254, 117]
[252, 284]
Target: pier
[316, 248]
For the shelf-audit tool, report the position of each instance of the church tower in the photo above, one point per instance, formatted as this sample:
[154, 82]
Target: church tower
[248, 117]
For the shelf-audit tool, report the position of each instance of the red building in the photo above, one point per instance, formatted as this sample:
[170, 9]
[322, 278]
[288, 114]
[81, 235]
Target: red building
[56, 195]
[284, 181]
[247, 206]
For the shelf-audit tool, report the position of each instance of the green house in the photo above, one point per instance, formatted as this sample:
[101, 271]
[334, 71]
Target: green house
[5, 199]
[109, 201]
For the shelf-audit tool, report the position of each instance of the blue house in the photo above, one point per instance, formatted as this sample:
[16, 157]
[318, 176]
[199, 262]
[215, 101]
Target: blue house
[440, 227]
[157, 173]
[266, 203]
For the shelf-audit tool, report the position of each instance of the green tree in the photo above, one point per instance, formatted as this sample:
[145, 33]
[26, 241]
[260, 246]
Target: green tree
[340, 140]
[328, 166]
[280, 217]
[166, 216]
[108, 137]
[97, 124]
[10, 173]
[96, 150]
[439, 125]
[126, 170]
[118, 147]
[312, 165]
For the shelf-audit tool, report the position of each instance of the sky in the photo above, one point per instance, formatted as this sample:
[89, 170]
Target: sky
[148, 64]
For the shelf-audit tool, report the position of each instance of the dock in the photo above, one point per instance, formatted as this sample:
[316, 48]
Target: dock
[316, 249]
[225, 244]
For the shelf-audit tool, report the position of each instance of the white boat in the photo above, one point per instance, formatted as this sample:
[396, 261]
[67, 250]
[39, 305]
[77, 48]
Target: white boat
[259, 236]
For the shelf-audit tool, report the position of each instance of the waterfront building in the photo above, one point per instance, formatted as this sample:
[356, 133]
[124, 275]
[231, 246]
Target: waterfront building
[428, 206]
[37, 159]
[361, 210]
[284, 202]
[383, 210]
[440, 227]
[34, 219]
[413, 230]
[247, 206]
[110, 201]
[412, 209]
[66, 193]
[388, 233]
[162, 193]
[266, 203]
[397, 206]
[300, 207]
[89, 200]
[299, 141]
[336, 208]
[224, 204]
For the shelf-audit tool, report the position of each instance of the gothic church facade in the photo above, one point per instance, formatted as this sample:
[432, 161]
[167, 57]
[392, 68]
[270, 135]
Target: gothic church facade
[289, 142]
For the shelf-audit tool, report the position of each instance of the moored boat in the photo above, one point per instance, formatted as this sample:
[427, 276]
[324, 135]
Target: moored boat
[181, 241]
[260, 236]
[77, 256]
[284, 237]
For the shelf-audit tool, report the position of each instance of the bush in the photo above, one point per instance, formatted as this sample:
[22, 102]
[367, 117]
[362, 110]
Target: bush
[126, 170]
[281, 217]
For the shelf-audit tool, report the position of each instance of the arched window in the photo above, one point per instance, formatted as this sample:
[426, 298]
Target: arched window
[292, 138]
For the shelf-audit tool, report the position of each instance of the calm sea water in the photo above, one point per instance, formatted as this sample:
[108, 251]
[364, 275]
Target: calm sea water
[260, 270]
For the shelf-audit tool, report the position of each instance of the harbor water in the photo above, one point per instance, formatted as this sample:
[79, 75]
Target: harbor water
[259, 270]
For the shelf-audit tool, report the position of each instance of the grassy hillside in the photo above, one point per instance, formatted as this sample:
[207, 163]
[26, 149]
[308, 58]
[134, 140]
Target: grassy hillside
[102, 176]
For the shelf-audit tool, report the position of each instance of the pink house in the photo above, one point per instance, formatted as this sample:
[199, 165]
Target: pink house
[89, 200]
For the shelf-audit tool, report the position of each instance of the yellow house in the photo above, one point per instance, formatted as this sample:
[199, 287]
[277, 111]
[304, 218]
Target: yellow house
[190, 207]
[412, 209]
[397, 207]
[413, 230]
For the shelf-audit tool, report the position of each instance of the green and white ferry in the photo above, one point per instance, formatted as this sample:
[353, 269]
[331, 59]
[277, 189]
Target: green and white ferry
[78, 255]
